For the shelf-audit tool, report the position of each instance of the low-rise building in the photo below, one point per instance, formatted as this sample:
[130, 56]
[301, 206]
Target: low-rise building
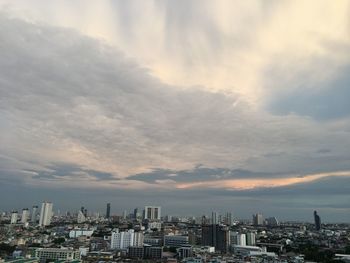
[57, 254]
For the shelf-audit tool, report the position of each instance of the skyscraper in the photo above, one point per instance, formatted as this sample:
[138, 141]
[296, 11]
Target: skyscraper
[34, 213]
[217, 236]
[258, 220]
[251, 239]
[108, 212]
[14, 217]
[81, 217]
[152, 212]
[317, 221]
[45, 214]
[228, 220]
[136, 213]
[238, 239]
[272, 221]
[25, 215]
[215, 218]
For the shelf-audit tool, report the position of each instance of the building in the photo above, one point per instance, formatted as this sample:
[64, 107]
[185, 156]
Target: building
[81, 217]
[84, 251]
[153, 252]
[153, 241]
[136, 252]
[75, 233]
[238, 239]
[45, 254]
[214, 218]
[136, 214]
[245, 250]
[152, 212]
[251, 240]
[25, 216]
[45, 214]
[108, 211]
[272, 221]
[34, 214]
[175, 240]
[84, 211]
[317, 219]
[185, 252]
[258, 220]
[228, 219]
[14, 217]
[123, 240]
[217, 236]
[154, 225]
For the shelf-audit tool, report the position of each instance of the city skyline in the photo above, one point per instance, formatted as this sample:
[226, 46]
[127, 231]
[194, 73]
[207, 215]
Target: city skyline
[147, 212]
[194, 106]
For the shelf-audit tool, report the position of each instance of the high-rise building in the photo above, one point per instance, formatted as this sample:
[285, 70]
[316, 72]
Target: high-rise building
[272, 221]
[34, 214]
[217, 236]
[152, 212]
[81, 217]
[215, 218]
[108, 212]
[258, 220]
[228, 220]
[238, 239]
[123, 240]
[317, 221]
[25, 215]
[136, 213]
[251, 239]
[14, 217]
[45, 214]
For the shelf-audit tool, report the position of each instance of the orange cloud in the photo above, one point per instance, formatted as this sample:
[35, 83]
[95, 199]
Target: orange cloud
[245, 184]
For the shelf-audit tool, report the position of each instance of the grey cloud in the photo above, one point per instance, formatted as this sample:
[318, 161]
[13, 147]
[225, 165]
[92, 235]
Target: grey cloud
[61, 90]
[72, 105]
[329, 196]
[326, 101]
[74, 90]
[199, 174]
[324, 151]
[55, 171]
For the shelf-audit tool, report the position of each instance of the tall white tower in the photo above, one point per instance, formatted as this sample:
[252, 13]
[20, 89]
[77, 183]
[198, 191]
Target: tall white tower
[152, 212]
[45, 214]
[25, 215]
[14, 216]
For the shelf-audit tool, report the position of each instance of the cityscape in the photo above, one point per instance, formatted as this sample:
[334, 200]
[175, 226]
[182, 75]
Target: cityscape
[174, 131]
[146, 235]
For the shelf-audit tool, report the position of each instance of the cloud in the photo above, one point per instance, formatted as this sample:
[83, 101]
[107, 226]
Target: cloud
[322, 101]
[151, 96]
[59, 170]
[77, 100]
[200, 174]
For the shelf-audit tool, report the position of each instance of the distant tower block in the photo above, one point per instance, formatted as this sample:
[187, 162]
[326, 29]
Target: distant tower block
[45, 214]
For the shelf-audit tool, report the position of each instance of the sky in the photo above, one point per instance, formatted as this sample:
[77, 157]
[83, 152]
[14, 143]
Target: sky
[195, 105]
